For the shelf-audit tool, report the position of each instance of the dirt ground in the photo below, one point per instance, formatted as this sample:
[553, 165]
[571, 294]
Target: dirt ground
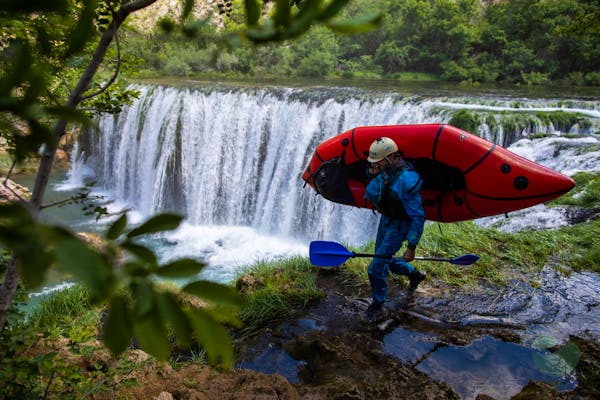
[343, 357]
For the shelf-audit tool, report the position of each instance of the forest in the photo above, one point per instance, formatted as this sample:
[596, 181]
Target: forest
[470, 41]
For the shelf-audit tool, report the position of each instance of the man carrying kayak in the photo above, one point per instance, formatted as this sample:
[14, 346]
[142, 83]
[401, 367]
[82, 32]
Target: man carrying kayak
[395, 193]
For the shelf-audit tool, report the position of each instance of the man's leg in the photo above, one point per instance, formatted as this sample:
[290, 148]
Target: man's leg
[378, 272]
[401, 267]
[388, 243]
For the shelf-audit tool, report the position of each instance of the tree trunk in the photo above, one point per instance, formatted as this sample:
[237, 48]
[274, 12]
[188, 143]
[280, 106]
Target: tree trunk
[11, 279]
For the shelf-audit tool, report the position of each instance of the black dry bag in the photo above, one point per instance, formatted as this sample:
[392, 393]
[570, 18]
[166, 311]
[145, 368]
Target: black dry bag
[330, 181]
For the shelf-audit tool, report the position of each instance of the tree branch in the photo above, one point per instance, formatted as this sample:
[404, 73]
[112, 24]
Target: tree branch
[76, 96]
[11, 276]
[64, 201]
[114, 77]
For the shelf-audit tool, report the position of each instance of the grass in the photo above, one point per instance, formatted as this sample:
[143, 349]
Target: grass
[280, 288]
[585, 194]
[503, 256]
[66, 313]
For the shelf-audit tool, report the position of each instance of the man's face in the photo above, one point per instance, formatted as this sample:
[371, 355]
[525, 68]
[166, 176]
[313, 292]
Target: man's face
[383, 164]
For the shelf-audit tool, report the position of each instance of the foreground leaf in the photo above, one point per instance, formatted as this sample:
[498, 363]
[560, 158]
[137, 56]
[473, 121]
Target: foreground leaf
[150, 331]
[158, 223]
[214, 292]
[214, 338]
[117, 227]
[361, 24]
[118, 328]
[182, 268]
[172, 311]
[75, 257]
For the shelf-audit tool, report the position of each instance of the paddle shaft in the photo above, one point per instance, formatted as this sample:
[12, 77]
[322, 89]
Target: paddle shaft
[327, 254]
[392, 257]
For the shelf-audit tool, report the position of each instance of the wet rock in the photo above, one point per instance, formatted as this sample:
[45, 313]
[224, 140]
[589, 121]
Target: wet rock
[588, 368]
[488, 321]
[249, 283]
[537, 391]
[305, 372]
[11, 191]
[62, 161]
[577, 215]
[93, 239]
[484, 397]
[352, 394]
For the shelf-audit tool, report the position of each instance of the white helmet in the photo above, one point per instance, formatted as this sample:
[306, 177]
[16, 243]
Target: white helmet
[381, 148]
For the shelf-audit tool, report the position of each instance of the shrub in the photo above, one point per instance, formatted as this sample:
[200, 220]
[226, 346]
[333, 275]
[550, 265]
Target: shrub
[177, 67]
[592, 79]
[534, 78]
[466, 120]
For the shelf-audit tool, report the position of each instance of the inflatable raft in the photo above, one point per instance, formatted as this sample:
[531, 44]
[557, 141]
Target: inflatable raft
[465, 177]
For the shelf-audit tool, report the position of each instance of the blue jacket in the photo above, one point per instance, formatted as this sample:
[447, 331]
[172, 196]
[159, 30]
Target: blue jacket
[405, 190]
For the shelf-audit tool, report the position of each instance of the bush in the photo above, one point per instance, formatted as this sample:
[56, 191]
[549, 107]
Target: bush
[592, 79]
[534, 78]
[466, 121]
[177, 67]
[575, 79]
[316, 65]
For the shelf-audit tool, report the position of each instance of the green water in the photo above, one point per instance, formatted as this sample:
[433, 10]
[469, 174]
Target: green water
[69, 215]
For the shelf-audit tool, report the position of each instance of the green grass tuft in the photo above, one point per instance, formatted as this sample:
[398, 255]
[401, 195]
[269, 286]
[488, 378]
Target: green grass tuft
[283, 286]
[585, 194]
[66, 312]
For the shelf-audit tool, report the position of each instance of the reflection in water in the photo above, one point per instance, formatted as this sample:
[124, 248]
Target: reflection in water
[486, 366]
[275, 360]
[408, 346]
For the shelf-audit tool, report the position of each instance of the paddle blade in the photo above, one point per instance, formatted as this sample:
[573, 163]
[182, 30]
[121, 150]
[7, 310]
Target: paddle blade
[465, 259]
[328, 254]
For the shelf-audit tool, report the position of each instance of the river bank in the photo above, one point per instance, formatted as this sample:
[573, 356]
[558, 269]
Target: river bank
[532, 296]
[439, 342]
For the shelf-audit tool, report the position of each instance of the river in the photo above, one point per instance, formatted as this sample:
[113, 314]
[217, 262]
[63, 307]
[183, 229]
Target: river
[229, 159]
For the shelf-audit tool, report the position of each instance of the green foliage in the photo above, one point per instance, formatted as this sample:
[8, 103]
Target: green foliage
[48, 75]
[126, 266]
[41, 355]
[465, 120]
[582, 249]
[67, 309]
[468, 41]
[586, 193]
[534, 78]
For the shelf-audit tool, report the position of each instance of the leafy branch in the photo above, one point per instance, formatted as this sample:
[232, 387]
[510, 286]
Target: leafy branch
[124, 272]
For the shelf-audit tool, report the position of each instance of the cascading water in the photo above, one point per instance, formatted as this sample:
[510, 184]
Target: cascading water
[230, 161]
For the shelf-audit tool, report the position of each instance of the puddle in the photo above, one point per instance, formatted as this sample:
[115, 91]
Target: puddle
[408, 346]
[486, 366]
[301, 326]
[275, 360]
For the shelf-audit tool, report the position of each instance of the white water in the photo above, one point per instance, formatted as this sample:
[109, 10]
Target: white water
[567, 156]
[230, 162]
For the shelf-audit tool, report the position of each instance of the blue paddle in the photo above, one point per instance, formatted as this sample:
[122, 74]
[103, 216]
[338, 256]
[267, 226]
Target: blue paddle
[332, 254]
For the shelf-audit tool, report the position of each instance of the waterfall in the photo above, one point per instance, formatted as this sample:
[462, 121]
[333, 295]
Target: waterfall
[233, 157]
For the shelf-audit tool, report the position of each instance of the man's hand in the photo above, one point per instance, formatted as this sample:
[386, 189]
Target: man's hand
[409, 255]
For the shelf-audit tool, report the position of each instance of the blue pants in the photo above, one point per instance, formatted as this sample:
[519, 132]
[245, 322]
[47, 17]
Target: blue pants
[391, 233]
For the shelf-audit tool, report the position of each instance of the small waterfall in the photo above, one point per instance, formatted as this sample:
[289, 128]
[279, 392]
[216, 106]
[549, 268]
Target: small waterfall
[234, 157]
